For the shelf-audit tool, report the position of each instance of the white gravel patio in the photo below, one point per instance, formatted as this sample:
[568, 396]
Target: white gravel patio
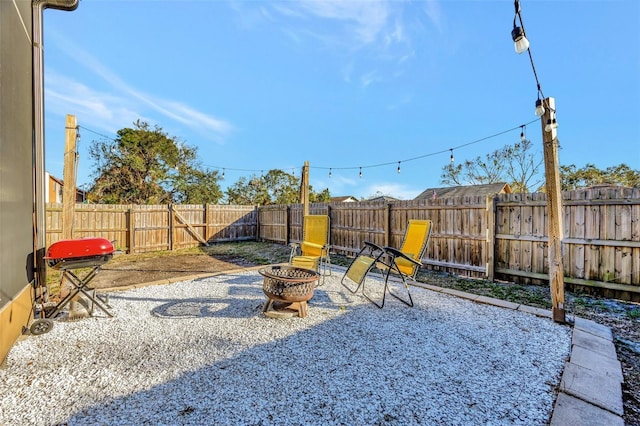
[202, 352]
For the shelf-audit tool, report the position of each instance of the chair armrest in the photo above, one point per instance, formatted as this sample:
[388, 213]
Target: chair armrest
[397, 253]
[373, 246]
[295, 249]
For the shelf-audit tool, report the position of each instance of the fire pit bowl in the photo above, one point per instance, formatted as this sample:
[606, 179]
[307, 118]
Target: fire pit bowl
[291, 286]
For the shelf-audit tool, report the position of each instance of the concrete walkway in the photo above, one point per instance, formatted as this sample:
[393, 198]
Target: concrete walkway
[590, 391]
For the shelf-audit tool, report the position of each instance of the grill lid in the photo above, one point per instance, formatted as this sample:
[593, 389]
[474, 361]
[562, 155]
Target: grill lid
[84, 247]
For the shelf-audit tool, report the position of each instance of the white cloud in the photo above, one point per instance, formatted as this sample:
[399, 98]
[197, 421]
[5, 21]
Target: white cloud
[433, 11]
[96, 109]
[369, 78]
[127, 98]
[365, 19]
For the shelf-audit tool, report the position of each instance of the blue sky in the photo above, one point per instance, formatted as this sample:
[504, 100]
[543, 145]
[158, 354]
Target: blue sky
[259, 85]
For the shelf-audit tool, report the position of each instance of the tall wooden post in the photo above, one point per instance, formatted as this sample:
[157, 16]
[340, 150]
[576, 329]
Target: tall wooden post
[304, 189]
[69, 177]
[554, 209]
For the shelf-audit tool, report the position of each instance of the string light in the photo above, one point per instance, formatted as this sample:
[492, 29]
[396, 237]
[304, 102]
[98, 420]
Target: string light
[366, 166]
[522, 136]
[522, 45]
[539, 107]
[223, 173]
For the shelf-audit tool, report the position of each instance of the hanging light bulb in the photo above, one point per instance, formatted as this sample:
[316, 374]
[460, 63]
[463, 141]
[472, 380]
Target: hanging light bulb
[398, 166]
[223, 173]
[539, 108]
[329, 172]
[549, 125]
[451, 158]
[360, 175]
[522, 137]
[521, 43]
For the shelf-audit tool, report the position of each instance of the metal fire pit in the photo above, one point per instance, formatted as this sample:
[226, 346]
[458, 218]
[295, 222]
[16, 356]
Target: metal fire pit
[287, 289]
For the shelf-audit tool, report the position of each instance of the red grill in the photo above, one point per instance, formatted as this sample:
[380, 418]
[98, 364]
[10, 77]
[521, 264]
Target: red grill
[83, 253]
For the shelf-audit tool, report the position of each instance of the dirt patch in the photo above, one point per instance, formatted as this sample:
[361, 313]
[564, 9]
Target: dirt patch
[132, 272]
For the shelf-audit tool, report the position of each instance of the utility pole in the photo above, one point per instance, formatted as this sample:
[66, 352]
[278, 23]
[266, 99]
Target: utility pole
[304, 189]
[554, 209]
[69, 177]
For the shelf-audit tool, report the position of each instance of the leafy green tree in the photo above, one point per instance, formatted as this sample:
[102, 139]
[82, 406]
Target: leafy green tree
[197, 187]
[323, 196]
[143, 165]
[516, 164]
[274, 187]
[573, 178]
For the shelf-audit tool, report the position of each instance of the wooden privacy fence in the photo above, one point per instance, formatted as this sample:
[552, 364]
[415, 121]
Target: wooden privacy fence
[501, 237]
[142, 228]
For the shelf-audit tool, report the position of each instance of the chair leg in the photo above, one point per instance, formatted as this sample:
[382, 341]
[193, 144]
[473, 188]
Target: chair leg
[408, 302]
[384, 291]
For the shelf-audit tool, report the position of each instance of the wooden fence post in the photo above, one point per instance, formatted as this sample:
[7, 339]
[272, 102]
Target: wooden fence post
[491, 237]
[131, 230]
[329, 215]
[287, 221]
[257, 213]
[171, 228]
[554, 207]
[206, 221]
[387, 224]
[69, 188]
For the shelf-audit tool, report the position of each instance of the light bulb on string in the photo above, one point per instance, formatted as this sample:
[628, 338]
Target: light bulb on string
[451, 158]
[520, 41]
[398, 166]
[223, 170]
[548, 127]
[522, 136]
[551, 124]
[329, 173]
[539, 108]
[360, 175]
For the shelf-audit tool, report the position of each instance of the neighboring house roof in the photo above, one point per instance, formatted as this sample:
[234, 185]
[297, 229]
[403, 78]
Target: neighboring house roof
[383, 198]
[344, 199]
[464, 191]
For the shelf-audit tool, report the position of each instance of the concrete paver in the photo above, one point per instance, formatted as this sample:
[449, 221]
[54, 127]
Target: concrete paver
[571, 411]
[586, 358]
[594, 343]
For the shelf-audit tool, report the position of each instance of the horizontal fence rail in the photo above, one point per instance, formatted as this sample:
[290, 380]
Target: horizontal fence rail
[499, 237]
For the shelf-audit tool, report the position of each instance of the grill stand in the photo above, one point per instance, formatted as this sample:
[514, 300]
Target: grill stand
[81, 286]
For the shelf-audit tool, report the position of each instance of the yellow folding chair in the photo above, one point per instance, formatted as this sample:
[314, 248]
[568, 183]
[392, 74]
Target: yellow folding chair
[364, 262]
[403, 262]
[313, 251]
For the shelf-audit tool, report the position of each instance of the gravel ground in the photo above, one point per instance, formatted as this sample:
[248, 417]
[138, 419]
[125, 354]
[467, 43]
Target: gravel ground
[202, 352]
